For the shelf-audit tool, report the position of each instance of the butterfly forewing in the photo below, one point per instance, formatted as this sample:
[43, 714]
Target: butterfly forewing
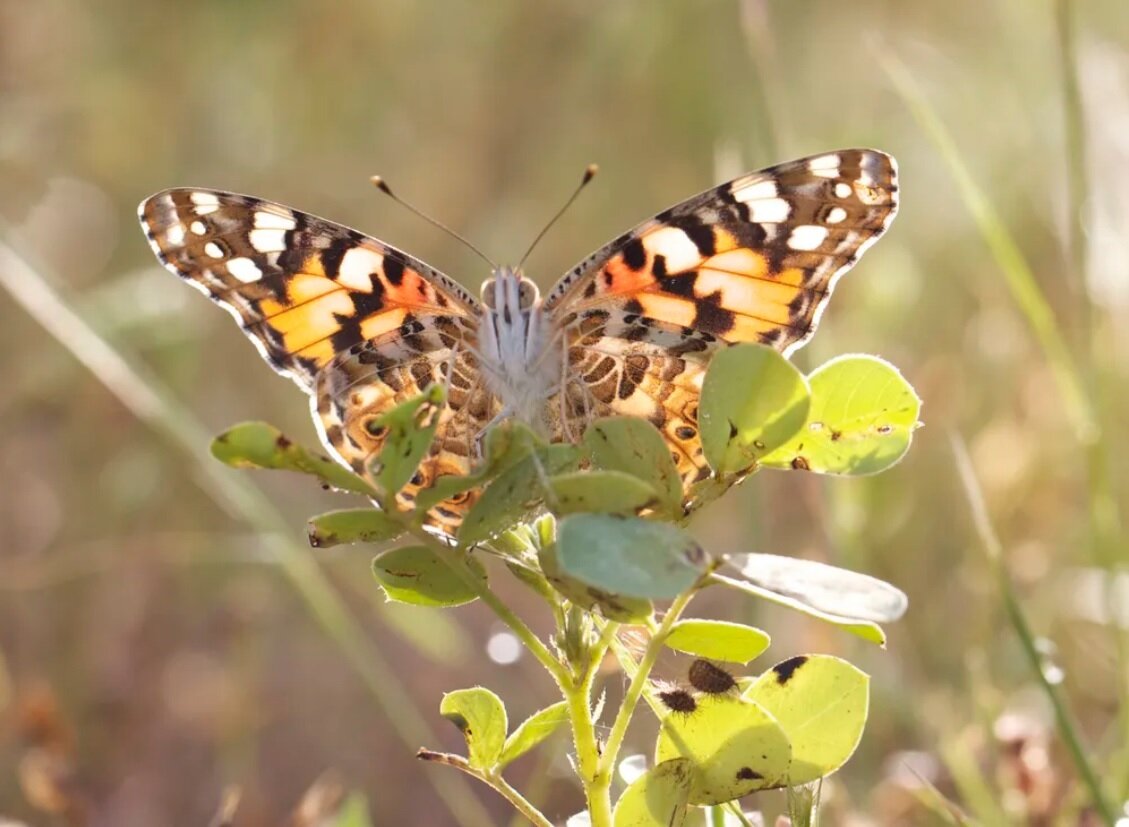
[753, 260]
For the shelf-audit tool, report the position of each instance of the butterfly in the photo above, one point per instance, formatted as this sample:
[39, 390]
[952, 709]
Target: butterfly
[361, 326]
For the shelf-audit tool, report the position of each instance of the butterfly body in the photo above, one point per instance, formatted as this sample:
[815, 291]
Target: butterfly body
[519, 352]
[361, 326]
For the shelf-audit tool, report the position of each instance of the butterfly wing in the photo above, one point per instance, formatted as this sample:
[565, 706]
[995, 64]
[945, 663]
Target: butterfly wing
[357, 324]
[753, 260]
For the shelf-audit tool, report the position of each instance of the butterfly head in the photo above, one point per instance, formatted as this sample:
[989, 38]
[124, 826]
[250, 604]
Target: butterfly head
[510, 292]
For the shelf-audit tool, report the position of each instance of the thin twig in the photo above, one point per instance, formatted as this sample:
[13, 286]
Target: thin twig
[492, 780]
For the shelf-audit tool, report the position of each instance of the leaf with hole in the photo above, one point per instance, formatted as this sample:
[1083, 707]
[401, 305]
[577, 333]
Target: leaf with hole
[862, 418]
[753, 401]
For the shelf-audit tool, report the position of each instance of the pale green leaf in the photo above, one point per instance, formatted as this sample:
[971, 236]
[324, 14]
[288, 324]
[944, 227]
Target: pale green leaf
[753, 401]
[717, 640]
[481, 717]
[821, 702]
[862, 417]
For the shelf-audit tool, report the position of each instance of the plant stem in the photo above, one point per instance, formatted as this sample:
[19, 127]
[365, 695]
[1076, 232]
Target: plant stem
[491, 779]
[639, 681]
[503, 612]
[578, 695]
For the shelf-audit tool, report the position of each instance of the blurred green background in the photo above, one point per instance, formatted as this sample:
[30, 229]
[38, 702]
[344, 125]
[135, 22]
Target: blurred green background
[152, 649]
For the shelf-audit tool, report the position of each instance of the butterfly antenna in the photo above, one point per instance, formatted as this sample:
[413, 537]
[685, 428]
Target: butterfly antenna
[589, 174]
[381, 185]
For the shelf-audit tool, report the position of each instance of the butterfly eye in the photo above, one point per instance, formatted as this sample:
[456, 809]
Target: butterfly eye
[488, 293]
[527, 294]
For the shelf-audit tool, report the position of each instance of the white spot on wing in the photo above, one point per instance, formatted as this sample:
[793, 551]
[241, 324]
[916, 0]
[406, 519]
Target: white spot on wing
[198, 227]
[268, 241]
[825, 166]
[680, 252]
[273, 221]
[756, 191]
[806, 237]
[213, 249]
[205, 202]
[356, 268]
[843, 190]
[836, 215]
[769, 211]
[175, 234]
[244, 269]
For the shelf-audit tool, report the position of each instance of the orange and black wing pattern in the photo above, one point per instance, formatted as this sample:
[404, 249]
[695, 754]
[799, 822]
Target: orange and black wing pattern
[753, 260]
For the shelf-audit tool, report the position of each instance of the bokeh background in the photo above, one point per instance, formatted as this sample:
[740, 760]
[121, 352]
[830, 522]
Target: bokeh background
[162, 628]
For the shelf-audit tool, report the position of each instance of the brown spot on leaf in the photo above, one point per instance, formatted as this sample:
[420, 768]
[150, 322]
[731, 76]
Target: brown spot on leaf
[785, 670]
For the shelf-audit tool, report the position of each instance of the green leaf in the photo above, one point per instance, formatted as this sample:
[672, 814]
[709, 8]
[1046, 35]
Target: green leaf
[259, 445]
[352, 525]
[635, 446]
[865, 629]
[717, 640]
[532, 731]
[753, 401]
[604, 492]
[504, 445]
[737, 748]
[821, 703]
[841, 592]
[516, 493]
[658, 797]
[610, 605]
[862, 418]
[415, 575]
[354, 812]
[407, 431]
[629, 556]
[481, 717]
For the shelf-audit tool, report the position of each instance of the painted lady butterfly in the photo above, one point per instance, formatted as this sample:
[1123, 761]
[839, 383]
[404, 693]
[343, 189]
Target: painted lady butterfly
[361, 326]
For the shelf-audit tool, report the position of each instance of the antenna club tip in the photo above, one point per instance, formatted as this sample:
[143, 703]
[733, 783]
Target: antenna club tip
[590, 172]
[378, 182]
